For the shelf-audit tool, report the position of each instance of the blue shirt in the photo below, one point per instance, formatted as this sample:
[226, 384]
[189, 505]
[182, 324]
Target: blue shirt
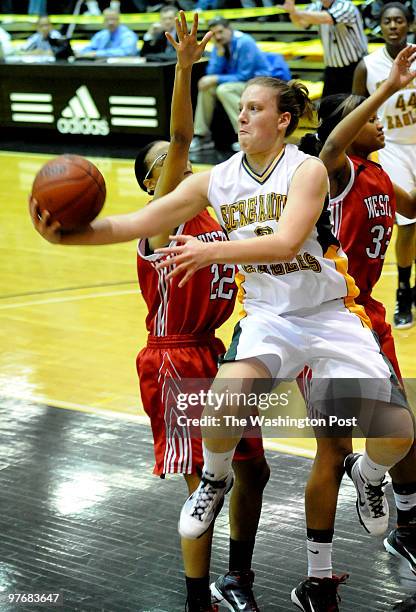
[36, 42]
[119, 43]
[246, 61]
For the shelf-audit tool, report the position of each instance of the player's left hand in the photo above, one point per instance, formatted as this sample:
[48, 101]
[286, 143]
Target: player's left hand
[188, 50]
[401, 72]
[187, 256]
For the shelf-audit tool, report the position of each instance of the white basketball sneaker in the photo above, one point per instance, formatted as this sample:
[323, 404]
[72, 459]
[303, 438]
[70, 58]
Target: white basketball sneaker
[202, 507]
[371, 504]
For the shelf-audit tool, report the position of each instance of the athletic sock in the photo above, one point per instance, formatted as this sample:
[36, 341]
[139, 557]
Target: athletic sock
[319, 547]
[405, 498]
[241, 554]
[404, 277]
[371, 471]
[198, 592]
[217, 465]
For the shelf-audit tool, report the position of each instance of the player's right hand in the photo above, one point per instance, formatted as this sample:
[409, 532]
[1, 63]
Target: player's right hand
[48, 229]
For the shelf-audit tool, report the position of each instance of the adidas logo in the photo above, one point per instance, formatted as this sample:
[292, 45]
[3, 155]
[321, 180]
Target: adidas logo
[81, 116]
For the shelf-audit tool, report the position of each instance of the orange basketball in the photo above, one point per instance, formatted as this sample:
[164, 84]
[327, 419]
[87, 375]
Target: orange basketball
[72, 189]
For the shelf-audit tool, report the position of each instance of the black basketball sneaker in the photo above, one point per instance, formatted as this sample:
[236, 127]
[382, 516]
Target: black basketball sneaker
[403, 317]
[401, 542]
[234, 591]
[318, 594]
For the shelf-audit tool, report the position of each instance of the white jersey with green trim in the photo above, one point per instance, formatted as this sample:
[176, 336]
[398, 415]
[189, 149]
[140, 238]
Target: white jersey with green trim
[249, 205]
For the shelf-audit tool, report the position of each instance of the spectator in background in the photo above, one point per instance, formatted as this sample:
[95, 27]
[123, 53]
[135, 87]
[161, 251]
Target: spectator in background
[234, 60]
[39, 42]
[115, 40]
[342, 33]
[156, 46]
[37, 7]
[5, 43]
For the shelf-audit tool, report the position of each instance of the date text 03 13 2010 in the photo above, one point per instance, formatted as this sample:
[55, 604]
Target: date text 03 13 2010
[40, 599]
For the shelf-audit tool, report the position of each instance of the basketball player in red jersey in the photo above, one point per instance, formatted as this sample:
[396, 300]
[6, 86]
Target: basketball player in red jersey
[363, 205]
[182, 345]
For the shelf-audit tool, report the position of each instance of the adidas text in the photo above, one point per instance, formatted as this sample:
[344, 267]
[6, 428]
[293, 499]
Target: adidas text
[95, 127]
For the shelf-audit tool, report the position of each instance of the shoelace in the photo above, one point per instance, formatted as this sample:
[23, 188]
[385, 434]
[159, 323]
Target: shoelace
[331, 590]
[375, 495]
[206, 494]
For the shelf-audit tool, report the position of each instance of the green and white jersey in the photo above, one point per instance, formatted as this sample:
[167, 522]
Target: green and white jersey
[249, 205]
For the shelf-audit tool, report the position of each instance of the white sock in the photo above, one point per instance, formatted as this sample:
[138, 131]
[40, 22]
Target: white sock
[371, 471]
[319, 559]
[217, 465]
[404, 502]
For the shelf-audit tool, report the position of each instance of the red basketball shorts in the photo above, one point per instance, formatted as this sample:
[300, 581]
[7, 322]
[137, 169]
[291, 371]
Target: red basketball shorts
[377, 315]
[170, 358]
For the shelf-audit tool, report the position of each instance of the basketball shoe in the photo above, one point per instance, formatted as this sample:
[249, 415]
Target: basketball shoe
[403, 317]
[407, 605]
[318, 594]
[401, 542]
[371, 504]
[234, 591]
[202, 507]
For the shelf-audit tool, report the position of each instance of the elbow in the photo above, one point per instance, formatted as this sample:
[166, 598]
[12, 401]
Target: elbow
[292, 251]
[181, 138]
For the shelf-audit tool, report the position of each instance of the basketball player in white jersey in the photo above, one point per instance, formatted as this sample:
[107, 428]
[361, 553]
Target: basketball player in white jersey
[398, 158]
[297, 311]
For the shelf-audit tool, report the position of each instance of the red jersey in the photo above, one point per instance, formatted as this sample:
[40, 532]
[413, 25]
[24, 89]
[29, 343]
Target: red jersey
[362, 218]
[203, 304]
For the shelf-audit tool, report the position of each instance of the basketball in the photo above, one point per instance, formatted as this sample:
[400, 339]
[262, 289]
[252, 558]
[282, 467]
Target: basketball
[72, 189]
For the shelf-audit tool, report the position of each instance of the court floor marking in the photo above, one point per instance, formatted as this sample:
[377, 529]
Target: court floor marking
[65, 289]
[72, 298]
[269, 444]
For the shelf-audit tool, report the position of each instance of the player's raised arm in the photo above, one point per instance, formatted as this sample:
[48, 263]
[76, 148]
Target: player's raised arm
[333, 153]
[186, 201]
[188, 51]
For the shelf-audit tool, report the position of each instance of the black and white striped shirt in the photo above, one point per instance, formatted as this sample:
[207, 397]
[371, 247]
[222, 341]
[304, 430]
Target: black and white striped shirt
[344, 42]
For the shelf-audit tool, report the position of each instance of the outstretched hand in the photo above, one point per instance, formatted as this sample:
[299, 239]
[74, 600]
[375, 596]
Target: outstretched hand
[48, 229]
[188, 50]
[187, 258]
[401, 72]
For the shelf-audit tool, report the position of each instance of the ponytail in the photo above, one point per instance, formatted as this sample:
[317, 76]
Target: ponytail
[310, 144]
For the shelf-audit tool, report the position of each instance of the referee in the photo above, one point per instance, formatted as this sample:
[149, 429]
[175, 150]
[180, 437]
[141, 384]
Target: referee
[342, 33]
